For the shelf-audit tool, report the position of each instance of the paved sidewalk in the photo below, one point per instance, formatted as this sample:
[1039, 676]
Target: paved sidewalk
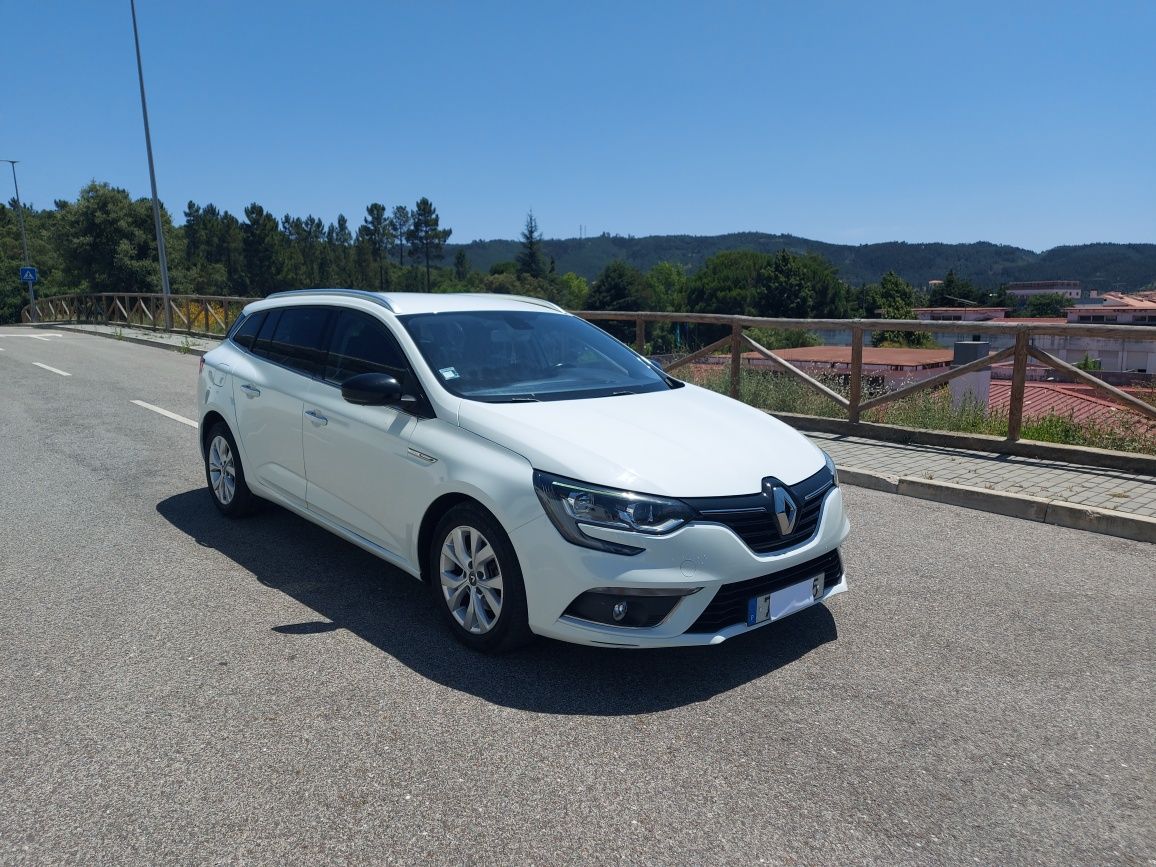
[1114, 490]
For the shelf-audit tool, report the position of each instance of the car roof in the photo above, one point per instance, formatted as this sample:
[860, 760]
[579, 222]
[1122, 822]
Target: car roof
[426, 302]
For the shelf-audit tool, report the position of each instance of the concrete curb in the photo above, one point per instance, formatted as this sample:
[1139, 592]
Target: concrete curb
[140, 341]
[1139, 528]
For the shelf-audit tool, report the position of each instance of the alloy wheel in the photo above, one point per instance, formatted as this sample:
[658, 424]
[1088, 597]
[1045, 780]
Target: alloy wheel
[471, 580]
[222, 470]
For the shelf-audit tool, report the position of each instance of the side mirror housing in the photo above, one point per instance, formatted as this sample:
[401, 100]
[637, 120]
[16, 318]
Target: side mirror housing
[371, 389]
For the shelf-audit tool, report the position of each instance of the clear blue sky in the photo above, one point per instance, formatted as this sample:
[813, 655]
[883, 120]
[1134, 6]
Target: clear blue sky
[1024, 123]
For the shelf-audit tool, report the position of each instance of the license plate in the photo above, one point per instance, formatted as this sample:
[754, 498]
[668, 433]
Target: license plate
[788, 600]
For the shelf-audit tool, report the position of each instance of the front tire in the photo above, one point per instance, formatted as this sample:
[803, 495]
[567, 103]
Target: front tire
[225, 475]
[476, 581]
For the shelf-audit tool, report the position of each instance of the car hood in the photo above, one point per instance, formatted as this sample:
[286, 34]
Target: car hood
[686, 442]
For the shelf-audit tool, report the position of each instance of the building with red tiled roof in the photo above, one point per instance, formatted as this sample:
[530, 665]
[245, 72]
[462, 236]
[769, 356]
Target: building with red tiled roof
[1079, 402]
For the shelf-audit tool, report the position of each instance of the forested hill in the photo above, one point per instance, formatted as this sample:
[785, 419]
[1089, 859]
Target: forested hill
[1102, 266]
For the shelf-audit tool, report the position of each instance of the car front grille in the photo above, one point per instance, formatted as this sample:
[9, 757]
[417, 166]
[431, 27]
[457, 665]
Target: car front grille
[729, 605]
[752, 516]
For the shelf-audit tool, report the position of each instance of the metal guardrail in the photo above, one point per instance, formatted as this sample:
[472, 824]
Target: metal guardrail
[211, 315]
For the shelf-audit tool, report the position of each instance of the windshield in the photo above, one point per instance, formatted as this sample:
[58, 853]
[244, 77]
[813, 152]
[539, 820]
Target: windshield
[512, 355]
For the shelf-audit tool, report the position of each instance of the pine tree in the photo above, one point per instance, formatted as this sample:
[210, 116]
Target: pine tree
[400, 223]
[530, 260]
[380, 235]
[425, 237]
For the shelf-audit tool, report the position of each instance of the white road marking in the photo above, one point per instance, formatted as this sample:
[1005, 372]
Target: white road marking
[53, 369]
[36, 336]
[166, 413]
[39, 337]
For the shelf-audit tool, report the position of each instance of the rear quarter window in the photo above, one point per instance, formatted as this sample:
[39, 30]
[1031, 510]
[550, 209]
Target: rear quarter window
[245, 334]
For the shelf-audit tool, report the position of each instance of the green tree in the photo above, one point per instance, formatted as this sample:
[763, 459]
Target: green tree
[264, 250]
[620, 286]
[1051, 304]
[530, 259]
[400, 222]
[668, 283]
[955, 291]
[108, 241]
[572, 291]
[462, 267]
[426, 237]
[728, 283]
[339, 242]
[379, 234]
[894, 298]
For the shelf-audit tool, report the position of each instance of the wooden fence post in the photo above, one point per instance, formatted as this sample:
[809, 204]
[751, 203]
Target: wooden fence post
[1015, 412]
[640, 336]
[856, 395]
[736, 359]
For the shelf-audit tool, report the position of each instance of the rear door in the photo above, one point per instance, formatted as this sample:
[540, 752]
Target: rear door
[357, 460]
[268, 385]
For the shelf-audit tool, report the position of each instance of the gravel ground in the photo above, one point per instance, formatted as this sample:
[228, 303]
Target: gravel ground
[175, 687]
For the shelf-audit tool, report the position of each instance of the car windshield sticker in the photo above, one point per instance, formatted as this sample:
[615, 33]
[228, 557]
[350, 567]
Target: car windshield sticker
[448, 373]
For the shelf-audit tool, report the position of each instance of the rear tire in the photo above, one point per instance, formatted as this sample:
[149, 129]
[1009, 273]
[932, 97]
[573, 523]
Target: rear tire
[476, 581]
[224, 474]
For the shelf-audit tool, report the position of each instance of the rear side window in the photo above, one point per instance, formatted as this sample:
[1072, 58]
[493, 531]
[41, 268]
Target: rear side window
[246, 334]
[362, 344]
[298, 339]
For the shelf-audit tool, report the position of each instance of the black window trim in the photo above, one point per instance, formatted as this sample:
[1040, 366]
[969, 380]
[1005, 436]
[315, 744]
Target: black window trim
[422, 408]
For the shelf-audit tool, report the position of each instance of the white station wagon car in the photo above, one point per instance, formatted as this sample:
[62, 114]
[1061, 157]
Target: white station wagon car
[540, 476]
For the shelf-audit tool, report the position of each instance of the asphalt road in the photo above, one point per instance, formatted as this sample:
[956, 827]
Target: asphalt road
[175, 687]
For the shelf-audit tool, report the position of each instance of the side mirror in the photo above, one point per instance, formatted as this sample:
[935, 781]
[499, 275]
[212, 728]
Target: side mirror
[371, 389]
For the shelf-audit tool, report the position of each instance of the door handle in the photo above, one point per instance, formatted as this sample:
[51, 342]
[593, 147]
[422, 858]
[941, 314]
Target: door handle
[316, 417]
[251, 390]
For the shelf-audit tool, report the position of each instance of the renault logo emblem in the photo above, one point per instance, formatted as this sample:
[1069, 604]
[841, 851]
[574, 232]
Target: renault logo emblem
[786, 512]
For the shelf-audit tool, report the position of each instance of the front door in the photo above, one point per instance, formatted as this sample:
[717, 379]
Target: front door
[357, 461]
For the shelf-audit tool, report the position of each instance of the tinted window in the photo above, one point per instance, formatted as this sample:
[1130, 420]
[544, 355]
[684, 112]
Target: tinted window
[362, 344]
[246, 333]
[265, 335]
[298, 338]
[511, 355]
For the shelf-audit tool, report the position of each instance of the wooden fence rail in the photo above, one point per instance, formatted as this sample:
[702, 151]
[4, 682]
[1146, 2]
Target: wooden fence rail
[205, 315]
[855, 404]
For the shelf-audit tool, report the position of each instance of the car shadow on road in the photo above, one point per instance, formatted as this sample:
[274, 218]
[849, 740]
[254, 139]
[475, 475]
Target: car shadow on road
[380, 604]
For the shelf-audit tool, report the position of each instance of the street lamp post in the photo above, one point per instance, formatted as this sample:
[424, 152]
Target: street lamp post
[23, 240]
[144, 109]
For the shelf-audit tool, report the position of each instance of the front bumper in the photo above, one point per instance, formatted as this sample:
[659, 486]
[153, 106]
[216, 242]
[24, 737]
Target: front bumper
[699, 555]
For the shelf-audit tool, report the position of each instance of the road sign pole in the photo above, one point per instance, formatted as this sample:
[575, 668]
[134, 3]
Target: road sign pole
[24, 242]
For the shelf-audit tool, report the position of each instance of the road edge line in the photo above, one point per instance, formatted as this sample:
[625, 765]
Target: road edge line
[167, 413]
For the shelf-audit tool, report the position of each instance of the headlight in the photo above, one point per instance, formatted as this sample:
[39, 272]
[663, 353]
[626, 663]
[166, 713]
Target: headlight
[831, 466]
[571, 504]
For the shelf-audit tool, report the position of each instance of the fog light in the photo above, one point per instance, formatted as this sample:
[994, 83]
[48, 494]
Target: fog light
[633, 606]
